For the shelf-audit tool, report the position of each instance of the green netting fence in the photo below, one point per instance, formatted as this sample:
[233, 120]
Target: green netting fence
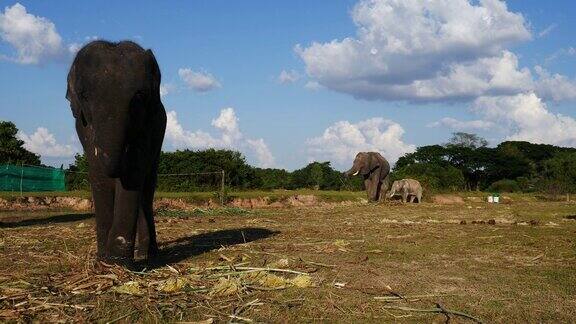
[31, 178]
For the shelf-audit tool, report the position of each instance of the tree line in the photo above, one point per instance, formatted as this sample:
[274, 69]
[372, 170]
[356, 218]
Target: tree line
[201, 170]
[465, 162]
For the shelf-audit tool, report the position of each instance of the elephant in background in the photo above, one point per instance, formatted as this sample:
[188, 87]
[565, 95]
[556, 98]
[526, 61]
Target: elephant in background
[114, 94]
[375, 170]
[407, 188]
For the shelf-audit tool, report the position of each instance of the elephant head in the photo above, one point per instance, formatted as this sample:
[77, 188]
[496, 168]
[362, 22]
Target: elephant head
[111, 116]
[396, 187]
[364, 163]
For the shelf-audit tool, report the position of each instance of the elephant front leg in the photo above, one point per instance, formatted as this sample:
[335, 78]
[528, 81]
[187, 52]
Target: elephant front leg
[147, 246]
[370, 190]
[103, 197]
[122, 234]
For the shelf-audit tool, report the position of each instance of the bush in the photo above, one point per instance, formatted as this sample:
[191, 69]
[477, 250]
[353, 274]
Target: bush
[505, 185]
[559, 174]
[433, 177]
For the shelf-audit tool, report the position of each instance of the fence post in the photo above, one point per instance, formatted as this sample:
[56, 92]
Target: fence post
[222, 190]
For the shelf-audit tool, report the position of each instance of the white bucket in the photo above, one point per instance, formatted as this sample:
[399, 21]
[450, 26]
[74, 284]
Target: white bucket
[490, 199]
[496, 199]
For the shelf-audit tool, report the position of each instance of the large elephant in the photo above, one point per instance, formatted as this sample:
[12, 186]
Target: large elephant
[375, 170]
[407, 188]
[114, 93]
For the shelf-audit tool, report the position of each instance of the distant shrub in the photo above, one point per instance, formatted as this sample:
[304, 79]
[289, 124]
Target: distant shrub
[432, 177]
[505, 185]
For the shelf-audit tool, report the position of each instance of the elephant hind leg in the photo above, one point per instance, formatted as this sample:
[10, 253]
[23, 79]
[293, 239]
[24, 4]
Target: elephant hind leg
[412, 197]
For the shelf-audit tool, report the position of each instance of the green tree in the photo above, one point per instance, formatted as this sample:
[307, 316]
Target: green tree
[318, 175]
[77, 175]
[273, 178]
[432, 176]
[12, 149]
[467, 140]
[206, 166]
[559, 174]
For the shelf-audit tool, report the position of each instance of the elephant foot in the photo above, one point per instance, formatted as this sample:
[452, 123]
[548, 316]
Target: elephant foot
[125, 262]
[146, 254]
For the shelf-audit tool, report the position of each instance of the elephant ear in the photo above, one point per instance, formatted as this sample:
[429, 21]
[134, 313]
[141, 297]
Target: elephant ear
[373, 162]
[71, 93]
[155, 76]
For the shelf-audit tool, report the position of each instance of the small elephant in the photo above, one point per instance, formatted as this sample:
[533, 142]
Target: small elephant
[375, 170]
[114, 94]
[407, 188]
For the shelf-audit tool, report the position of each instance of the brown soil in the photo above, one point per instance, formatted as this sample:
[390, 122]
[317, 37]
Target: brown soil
[84, 204]
[41, 203]
[447, 199]
[358, 261]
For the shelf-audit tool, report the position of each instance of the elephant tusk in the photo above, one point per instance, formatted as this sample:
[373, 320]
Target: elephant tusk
[356, 173]
[95, 151]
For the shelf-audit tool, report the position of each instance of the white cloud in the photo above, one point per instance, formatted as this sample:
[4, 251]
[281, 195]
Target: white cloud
[451, 49]
[556, 87]
[461, 125]
[343, 140]
[527, 118]
[313, 85]
[73, 48]
[547, 30]
[570, 51]
[200, 81]
[44, 143]
[229, 136]
[288, 76]
[263, 154]
[166, 89]
[227, 123]
[33, 38]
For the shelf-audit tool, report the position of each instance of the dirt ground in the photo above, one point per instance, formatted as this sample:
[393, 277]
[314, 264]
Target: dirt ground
[343, 263]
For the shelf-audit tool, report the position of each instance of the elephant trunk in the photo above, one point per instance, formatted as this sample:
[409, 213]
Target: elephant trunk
[110, 152]
[352, 172]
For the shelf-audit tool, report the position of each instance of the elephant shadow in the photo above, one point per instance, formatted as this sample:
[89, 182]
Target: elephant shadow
[182, 248]
[63, 218]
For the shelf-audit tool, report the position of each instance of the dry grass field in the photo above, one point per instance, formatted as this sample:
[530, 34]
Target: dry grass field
[348, 262]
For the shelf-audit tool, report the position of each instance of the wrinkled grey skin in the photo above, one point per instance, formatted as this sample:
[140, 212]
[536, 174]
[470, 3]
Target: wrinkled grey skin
[407, 188]
[375, 170]
[114, 93]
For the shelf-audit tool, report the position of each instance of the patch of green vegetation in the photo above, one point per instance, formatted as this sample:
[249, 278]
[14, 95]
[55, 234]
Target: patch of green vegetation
[203, 212]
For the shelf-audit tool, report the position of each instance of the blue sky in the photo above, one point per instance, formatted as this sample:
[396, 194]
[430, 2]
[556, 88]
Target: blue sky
[509, 74]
